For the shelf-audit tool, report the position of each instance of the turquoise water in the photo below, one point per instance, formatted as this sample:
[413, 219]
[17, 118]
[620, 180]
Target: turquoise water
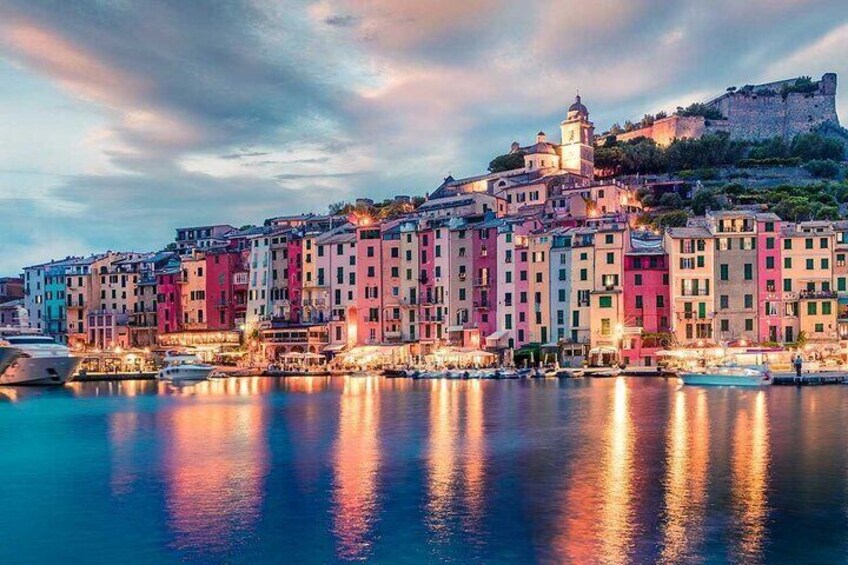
[386, 471]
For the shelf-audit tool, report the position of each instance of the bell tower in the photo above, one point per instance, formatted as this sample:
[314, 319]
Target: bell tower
[578, 134]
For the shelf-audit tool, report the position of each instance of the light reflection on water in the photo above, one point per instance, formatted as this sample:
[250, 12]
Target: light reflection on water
[367, 469]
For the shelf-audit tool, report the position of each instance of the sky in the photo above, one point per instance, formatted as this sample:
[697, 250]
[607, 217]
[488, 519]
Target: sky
[121, 120]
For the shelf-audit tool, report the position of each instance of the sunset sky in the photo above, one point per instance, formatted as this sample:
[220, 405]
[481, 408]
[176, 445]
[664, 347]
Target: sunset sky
[120, 121]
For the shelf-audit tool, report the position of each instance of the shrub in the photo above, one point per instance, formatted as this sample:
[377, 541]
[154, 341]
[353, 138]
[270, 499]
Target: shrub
[823, 168]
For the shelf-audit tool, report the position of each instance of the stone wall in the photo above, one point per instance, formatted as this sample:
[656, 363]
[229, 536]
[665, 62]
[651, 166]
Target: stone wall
[762, 112]
[668, 129]
[753, 113]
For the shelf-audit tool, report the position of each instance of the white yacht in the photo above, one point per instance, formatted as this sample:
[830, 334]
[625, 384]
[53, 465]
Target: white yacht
[183, 368]
[8, 354]
[38, 360]
[728, 375]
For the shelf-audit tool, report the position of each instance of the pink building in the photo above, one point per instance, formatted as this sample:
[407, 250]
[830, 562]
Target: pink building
[369, 293]
[522, 286]
[769, 278]
[390, 283]
[430, 322]
[295, 277]
[485, 271]
[647, 301]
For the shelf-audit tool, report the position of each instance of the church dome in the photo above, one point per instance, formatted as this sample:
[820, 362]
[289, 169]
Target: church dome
[578, 107]
[542, 148]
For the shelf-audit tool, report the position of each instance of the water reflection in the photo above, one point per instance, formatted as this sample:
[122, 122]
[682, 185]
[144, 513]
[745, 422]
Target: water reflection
[617, 512]
[598, 509]
[475, 457]
[356, 464]
[686, 477]
[214, 463]
[441, 457]
[750, 476]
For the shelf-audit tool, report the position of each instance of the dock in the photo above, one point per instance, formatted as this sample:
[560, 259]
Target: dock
[89, 377]
[811, 379]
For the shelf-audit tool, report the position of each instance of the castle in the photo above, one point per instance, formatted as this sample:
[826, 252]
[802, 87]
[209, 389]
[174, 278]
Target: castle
[784, 109]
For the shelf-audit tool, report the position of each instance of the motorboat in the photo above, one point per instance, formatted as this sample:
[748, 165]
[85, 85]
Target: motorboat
[8, 354]
[728, 375]
[184, 368]
[35, 359]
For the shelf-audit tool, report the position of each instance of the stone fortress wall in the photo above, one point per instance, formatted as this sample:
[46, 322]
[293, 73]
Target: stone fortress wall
[753, 113]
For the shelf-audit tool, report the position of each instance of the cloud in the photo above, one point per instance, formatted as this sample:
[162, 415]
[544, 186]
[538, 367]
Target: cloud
[180, 112]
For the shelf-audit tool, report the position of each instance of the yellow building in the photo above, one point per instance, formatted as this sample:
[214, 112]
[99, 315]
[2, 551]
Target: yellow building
[810, 302]
[691, 254]
[606, 303]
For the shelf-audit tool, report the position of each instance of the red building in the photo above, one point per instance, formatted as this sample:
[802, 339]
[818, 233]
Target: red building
[429, 320]
[647, 307]
[295, 277]
[168, 302]
[226, 289]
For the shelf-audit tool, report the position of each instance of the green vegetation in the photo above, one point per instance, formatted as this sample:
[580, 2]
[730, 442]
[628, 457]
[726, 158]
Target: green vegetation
[699, 109]
[386, 210]
[802, 85]
[507, 162]
[695, 158]
[823, 168]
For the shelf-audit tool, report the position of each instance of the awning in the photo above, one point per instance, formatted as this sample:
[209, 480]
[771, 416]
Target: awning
[454, 328]
[603, 349]
[495, 337]
[334, 347]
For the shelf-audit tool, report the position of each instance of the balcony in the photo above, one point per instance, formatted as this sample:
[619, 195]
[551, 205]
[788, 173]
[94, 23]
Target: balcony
[481, 304]
[817, 294]
[484, 281]
[695, 292]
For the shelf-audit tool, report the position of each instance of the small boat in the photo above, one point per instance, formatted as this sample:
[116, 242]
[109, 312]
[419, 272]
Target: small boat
[184, 368]
[37, 360]
[728, 375]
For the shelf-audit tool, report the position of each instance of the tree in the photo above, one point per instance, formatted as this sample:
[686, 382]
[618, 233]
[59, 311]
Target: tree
[336, 208]
[671, 200]
[809, 146]
[705, 200]
[823, 168]
[699, 109]
[507, 162]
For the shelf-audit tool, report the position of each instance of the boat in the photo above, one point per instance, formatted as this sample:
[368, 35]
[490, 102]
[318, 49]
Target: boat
[36, 360]
[184, 368]
[728, 375]
[8, 354]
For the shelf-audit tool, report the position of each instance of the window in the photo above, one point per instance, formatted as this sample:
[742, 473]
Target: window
[808, 243]
[826, 308]
[769, 243]
[787, 285]
[749, 324]
[584, 275]
[819, 328]
[606, 301]
[749, 301]
[605, 326]
[724, 302]
[610, 258]
[749, 271]
[608, 239]
[769, 262]
[724, 271]
[787, 244]
[810, 264]
[660, 301]
[812, 308]
[825, 263]
[823, 243]
[637, 280]
[725, 325]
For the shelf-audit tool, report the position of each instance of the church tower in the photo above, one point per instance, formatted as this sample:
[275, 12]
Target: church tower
[578, 134]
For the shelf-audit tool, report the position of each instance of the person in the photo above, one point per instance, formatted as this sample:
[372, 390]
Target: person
[798, 363]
